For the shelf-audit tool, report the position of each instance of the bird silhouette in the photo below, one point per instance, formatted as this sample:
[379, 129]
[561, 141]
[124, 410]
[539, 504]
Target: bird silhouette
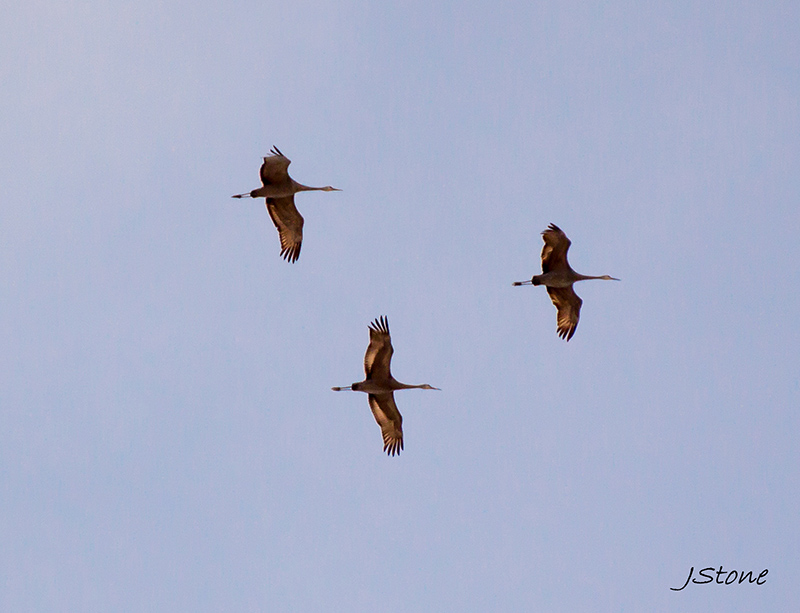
[558, 276]
[380, 385]
[279, 190]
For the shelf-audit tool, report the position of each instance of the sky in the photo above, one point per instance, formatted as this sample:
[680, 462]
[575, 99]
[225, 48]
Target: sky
[168, 437]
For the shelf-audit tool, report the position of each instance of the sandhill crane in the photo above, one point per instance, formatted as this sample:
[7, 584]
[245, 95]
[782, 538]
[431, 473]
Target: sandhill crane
[279, 190]
[380, 385]
[558, 276]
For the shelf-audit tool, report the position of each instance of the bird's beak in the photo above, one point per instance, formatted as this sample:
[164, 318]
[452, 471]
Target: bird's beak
[515, 283]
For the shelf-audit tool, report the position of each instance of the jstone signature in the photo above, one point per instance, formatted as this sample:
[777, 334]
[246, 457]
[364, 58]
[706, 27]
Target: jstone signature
[732, 576]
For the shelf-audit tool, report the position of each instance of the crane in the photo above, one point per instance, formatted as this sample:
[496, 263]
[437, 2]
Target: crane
[279, 190]
[380, 385]
[558, 276]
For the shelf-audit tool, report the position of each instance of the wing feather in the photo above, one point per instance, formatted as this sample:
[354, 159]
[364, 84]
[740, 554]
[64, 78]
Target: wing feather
[554, 252]
[378, 359]
[289, 222]
[389, 419]
[275, 169]
[568, 304]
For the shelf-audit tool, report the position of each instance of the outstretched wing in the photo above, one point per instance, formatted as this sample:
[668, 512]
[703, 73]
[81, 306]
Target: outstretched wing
[389, 419]
[554, 252]
[568, 304]
[274, 170]
[378, 359]
[289, 222]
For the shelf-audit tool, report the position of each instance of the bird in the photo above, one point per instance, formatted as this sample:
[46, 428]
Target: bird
[380, 385]
[279, 190]
[558, 276]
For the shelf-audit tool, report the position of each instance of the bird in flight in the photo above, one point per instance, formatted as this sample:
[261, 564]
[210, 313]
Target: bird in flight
[380, 385]
[279, 190]
[558, 276]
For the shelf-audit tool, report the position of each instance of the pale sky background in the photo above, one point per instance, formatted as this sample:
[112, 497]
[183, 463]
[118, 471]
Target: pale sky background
[168, 437]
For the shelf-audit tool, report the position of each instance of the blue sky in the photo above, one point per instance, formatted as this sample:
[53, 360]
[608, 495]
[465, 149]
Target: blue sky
[168, 437]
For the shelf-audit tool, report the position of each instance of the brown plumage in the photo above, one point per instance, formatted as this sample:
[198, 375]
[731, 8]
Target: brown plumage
[279, 190]
[289, 222]
[558, 276]
[380, 386]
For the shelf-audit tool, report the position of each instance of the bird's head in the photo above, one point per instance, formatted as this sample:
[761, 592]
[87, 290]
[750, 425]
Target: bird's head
[328, 188]
[425, 386]
[607, 278]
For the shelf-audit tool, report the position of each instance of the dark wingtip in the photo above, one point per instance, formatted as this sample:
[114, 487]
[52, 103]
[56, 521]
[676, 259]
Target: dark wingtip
[393, 448]
[384, 322]
[566, 333]
[380, 324]
[291, 254]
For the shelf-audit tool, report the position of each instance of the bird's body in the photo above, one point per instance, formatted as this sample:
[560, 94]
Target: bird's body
[380, 385]
[558, 276]
[279, 189]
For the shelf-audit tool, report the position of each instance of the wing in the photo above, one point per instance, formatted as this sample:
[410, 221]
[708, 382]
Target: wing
[378, 359]
[568, 304]
[274, 170]
[289, 222]
[389, 419]
[554, 252]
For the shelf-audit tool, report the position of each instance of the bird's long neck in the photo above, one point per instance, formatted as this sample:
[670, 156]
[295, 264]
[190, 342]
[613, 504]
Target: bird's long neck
[580, 277]
[402, 386]
[299, 187]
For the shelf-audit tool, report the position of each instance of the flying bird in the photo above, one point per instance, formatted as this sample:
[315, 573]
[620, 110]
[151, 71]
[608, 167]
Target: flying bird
[279, 190]
[558, 276]
[380, 385]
